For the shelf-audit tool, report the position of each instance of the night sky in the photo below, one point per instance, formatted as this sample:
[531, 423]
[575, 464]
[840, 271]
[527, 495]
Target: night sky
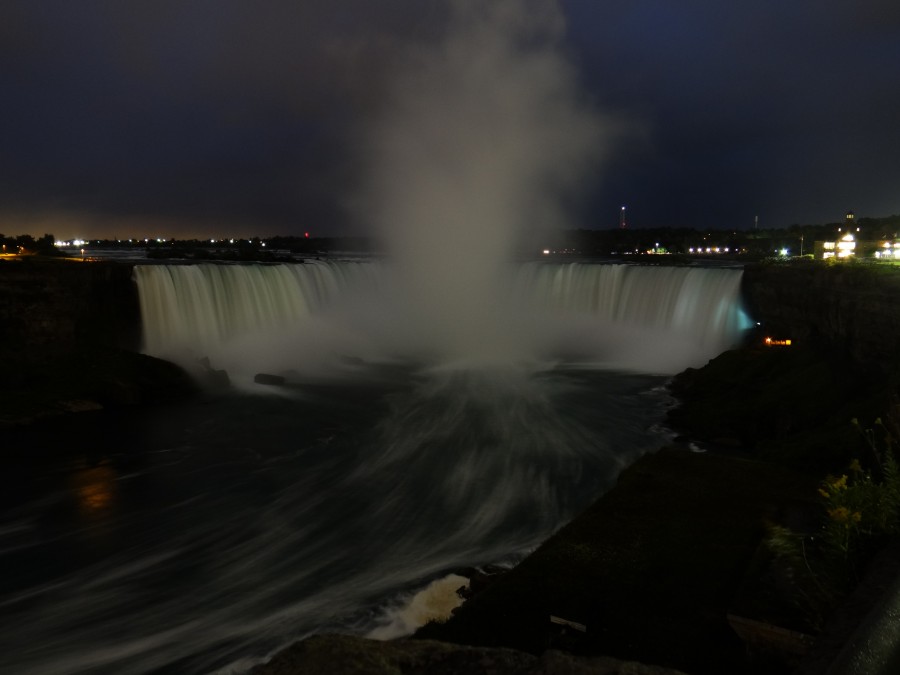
[200, 118]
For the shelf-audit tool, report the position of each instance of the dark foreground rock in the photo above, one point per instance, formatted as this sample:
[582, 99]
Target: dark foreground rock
[788, 405]
[333, 654]
[650, 569]
[53, 385]
[266, 378]
[69, 337]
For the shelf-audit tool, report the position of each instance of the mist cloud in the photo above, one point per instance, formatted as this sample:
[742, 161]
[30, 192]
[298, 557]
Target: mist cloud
[482, 134]
[485, 134]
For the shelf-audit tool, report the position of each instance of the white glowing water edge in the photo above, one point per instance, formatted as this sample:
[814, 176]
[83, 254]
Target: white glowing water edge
[295, 318]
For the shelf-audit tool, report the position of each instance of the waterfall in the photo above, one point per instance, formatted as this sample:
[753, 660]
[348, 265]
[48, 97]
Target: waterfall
[648, 318]
[701, 305]
[192, 310]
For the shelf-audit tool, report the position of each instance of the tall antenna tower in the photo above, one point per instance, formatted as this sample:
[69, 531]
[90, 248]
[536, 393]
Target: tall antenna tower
[622, 218]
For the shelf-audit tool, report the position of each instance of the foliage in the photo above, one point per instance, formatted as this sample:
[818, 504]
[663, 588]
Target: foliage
[859, 510]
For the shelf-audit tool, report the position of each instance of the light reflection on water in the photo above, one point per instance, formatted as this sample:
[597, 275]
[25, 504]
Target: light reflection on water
[185, 540]
[96, 490]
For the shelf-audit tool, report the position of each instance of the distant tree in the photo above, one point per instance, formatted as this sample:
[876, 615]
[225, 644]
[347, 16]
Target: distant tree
[26, 241]
[46, 244]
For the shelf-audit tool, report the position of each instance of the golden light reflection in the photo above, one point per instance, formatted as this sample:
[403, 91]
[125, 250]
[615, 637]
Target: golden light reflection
[95, 489]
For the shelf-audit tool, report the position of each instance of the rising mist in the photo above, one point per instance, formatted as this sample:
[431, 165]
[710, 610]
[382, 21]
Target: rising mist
[485, 138]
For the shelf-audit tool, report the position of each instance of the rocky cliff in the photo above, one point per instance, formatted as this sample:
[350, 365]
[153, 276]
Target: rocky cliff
[69, 335]
[62, 305]
[847, 308]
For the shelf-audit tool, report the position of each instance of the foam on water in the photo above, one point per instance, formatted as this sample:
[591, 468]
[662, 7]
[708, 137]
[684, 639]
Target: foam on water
[435, 602]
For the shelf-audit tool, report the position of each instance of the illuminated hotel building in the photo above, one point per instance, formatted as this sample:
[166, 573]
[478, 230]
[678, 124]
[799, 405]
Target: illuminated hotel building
[847, 246]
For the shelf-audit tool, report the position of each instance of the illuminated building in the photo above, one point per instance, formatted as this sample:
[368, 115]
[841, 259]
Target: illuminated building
[847, 246]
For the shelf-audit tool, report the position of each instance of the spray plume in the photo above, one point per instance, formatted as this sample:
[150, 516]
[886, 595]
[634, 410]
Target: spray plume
[485, 135]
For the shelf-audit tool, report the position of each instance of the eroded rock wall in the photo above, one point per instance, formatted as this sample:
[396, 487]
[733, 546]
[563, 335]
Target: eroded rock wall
[850, 308]
[61, 305]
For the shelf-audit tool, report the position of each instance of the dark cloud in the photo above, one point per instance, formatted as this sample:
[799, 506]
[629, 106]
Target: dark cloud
[776, 109]
[226, 112]
[232, 115]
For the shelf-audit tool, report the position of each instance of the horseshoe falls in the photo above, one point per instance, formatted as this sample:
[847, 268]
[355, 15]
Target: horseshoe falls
[417, 436]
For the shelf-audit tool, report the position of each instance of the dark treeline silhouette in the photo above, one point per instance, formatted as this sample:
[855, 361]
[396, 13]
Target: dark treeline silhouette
[25, 243]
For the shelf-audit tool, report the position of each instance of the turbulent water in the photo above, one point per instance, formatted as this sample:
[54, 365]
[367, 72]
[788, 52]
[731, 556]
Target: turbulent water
[203, 538]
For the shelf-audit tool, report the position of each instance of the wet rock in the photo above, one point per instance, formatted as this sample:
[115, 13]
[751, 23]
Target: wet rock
[86, 382]
[350, 655]
[80, 405]
[266, 378]
[213, 378]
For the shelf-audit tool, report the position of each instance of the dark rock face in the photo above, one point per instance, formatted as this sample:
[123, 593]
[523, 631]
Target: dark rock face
[266, 378]
[347, 655]
[789, 405]
[69, 334]
[850, 308]
[66, 305]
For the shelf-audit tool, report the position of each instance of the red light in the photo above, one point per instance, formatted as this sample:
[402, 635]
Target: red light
[306, 234]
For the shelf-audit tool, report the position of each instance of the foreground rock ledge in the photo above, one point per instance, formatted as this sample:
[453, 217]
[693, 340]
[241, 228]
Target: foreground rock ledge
[38, 387]
[347, 655]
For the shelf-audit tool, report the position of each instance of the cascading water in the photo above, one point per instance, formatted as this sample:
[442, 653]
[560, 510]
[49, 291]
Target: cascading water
[649, 319]
[192, 310]
[652, 319]
[441, 411]
[205, 537]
